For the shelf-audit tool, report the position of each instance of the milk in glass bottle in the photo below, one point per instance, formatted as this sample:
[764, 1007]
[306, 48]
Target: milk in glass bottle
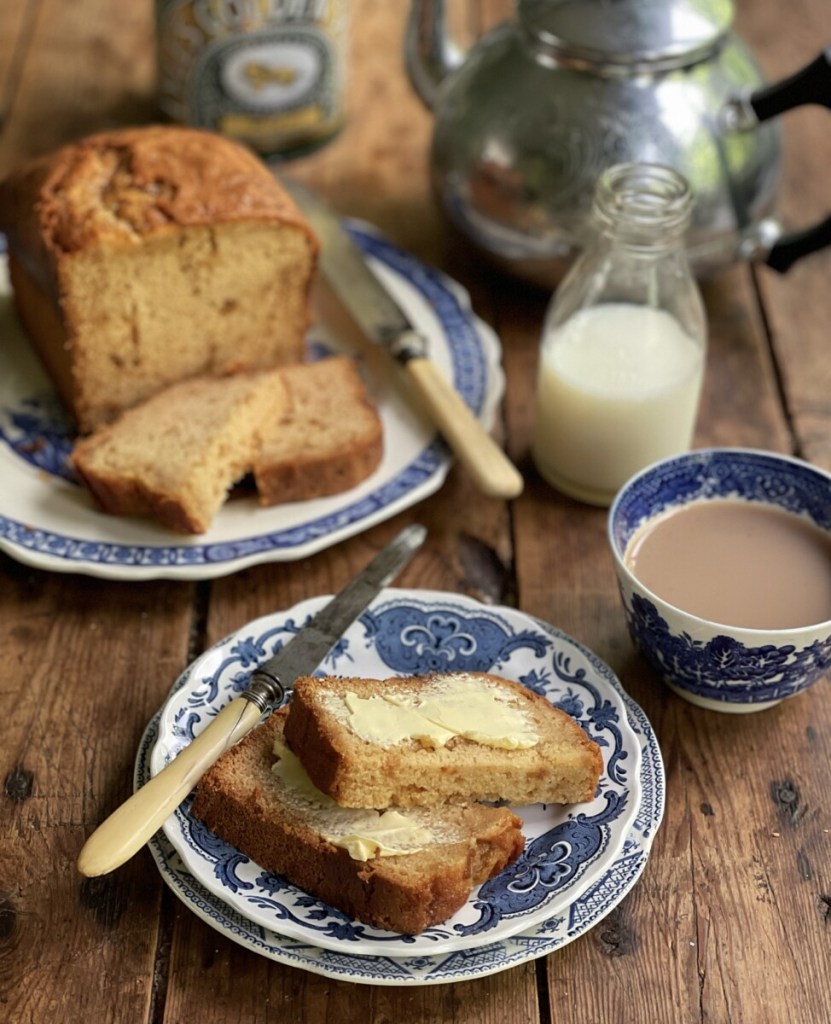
[623, 346]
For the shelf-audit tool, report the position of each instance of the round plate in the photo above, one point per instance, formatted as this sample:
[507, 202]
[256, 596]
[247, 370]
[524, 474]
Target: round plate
[48, 520]
[568, 848]
[479, 960]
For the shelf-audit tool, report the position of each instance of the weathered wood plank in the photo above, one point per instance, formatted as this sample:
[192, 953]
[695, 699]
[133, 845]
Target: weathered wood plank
[88, 67]
[89, 659]
[83, 660]
[15, 39]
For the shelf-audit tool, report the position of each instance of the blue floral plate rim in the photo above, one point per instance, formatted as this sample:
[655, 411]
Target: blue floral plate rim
[47, 520]
[568, 849]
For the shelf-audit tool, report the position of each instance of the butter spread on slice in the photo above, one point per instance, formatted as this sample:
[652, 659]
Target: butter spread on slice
[364, 834]
[294, 777]
[386, 721]
[388, 834]
[457, 707]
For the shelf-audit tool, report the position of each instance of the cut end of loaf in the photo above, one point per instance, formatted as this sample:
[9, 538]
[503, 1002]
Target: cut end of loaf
[160, 253]
[202, 301]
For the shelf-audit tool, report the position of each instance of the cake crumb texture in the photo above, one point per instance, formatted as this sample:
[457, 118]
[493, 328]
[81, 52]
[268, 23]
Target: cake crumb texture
[175, 456]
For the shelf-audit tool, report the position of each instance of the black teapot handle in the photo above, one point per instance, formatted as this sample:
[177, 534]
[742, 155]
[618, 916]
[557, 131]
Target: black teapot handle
[789, 248]
[810, 85]
[742, 113]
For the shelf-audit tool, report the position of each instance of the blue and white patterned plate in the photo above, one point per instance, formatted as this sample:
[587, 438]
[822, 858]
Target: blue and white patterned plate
[480, 958]
[48, 520]
[568, 849]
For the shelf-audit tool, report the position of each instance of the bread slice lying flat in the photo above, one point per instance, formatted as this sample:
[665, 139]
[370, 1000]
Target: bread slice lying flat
[249, 804]
[367, 742]
[329, 439]
[175, 456]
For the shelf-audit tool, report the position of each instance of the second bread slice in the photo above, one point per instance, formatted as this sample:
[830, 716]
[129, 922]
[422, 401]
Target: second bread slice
[329, 439]
[272, 814]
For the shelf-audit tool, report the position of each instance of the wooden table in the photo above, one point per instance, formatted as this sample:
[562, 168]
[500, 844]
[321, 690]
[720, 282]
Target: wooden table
[731, 921]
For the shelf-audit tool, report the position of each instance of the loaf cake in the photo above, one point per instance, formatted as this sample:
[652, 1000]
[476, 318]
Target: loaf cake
[402, 872]
[417, 741]
[329, 440]
[176, 455]
[144, 256]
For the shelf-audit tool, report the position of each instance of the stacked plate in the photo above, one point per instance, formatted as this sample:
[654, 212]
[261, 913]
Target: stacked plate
[578, 862]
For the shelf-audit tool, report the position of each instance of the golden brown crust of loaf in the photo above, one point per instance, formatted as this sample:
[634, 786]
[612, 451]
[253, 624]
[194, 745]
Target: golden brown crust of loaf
[239, 800]
[148, 255]
[120, 187]
[330, 439]
[564, 767]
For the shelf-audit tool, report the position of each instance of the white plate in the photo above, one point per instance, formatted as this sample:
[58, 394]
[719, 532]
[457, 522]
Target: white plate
[48, 520]
[406, 632]
[475, 962]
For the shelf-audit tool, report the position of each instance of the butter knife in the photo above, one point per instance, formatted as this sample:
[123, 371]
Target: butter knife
[384, 322]
[129, 827]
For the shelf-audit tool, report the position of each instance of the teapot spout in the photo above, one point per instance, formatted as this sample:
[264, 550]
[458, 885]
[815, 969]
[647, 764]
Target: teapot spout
[429, 52]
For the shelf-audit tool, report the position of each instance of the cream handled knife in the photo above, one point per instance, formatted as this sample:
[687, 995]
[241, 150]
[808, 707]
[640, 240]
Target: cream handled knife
[383, 321]
[136, 820]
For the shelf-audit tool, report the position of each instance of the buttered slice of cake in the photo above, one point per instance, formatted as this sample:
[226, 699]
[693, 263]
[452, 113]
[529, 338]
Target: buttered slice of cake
[418, 741]
[402, 870]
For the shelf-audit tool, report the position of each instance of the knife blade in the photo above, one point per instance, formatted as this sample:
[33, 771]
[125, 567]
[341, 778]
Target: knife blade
[129, 827]
[383, 321]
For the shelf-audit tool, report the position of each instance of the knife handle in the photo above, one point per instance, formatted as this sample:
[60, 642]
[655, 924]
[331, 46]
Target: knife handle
[130, 826]
[490, 467]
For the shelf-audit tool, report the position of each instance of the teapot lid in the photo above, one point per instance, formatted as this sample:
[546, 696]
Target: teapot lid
[667, 33]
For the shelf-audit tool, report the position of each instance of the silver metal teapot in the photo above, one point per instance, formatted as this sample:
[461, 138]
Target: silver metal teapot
[531, 115]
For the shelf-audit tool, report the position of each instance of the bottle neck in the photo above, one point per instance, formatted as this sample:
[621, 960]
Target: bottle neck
[643, 208]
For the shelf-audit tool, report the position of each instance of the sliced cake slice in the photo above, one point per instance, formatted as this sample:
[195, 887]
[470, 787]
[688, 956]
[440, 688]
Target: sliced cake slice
[442, 737]
[402, 871]
[329, 440]
[176, 456]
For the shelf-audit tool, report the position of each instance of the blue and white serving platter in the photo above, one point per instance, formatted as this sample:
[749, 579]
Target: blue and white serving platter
[48, 520]
[568, 849]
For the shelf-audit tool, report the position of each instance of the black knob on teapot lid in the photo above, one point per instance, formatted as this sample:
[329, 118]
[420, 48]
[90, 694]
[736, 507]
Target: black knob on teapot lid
[659, 33]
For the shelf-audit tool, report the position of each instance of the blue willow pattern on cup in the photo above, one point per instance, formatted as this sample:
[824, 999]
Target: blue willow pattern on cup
[723, 668]
[719, 667]
[562, 858]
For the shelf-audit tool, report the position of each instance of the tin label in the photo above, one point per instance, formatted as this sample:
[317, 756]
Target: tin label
[266, 72]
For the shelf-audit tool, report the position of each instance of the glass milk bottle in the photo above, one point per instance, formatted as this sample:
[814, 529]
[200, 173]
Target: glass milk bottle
[624, 341]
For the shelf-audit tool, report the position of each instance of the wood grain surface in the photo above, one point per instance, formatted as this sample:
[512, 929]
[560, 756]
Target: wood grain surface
[731, 920]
